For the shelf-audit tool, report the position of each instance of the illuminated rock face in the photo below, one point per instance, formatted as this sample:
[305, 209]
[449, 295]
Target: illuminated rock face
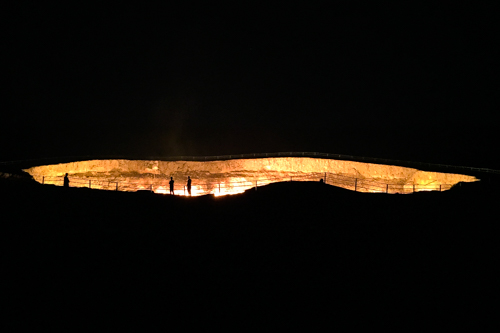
[236, 176]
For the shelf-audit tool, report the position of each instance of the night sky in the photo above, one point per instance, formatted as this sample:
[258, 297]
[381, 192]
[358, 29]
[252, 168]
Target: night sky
[416, 83]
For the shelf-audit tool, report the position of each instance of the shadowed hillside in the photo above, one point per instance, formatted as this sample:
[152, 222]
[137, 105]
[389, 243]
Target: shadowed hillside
[287, 253]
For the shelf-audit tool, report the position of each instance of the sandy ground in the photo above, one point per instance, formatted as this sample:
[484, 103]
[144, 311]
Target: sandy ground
[285, 255]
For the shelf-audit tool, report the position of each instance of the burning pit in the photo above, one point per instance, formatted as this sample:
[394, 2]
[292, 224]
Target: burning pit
[237, 175]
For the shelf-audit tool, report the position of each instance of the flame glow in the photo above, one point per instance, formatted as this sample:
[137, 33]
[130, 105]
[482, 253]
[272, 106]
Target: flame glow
[236, 176]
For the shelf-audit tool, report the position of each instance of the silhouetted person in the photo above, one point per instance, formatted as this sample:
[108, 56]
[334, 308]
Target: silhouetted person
[189, 185]
[171, 182]
[321, 181]
[66, 180]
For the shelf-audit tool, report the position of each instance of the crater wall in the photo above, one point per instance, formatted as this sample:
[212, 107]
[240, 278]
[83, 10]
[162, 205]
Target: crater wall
[234, 176]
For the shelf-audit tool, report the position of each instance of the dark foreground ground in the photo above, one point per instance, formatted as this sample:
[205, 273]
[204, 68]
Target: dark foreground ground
[285, 255]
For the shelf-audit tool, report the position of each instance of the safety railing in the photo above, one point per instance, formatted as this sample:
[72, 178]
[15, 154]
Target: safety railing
[222, 187]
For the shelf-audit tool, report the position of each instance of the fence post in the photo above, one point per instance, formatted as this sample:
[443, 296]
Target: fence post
[439, 187]
[356, 185]
[116, 186]
[386, 188]
[325, 177]
[43, 179]
[90, 183]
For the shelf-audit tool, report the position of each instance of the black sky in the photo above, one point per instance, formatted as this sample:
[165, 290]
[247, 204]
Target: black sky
[415, 82]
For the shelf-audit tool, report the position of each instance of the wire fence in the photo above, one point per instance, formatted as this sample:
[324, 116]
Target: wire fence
[233, 185]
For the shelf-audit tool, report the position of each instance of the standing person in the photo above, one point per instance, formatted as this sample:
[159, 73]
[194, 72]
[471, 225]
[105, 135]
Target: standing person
[189, 185]
[171, 182]
[66, 180]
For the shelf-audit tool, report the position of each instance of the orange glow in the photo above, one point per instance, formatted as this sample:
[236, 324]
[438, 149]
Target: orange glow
[161, 190]
[236, 176]
[233, 185]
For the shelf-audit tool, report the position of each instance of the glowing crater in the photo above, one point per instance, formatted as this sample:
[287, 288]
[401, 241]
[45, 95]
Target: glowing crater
[238, 175]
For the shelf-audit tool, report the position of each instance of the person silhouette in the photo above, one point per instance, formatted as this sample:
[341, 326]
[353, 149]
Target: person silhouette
[171, 182]
[189, 186]
[66, 180]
